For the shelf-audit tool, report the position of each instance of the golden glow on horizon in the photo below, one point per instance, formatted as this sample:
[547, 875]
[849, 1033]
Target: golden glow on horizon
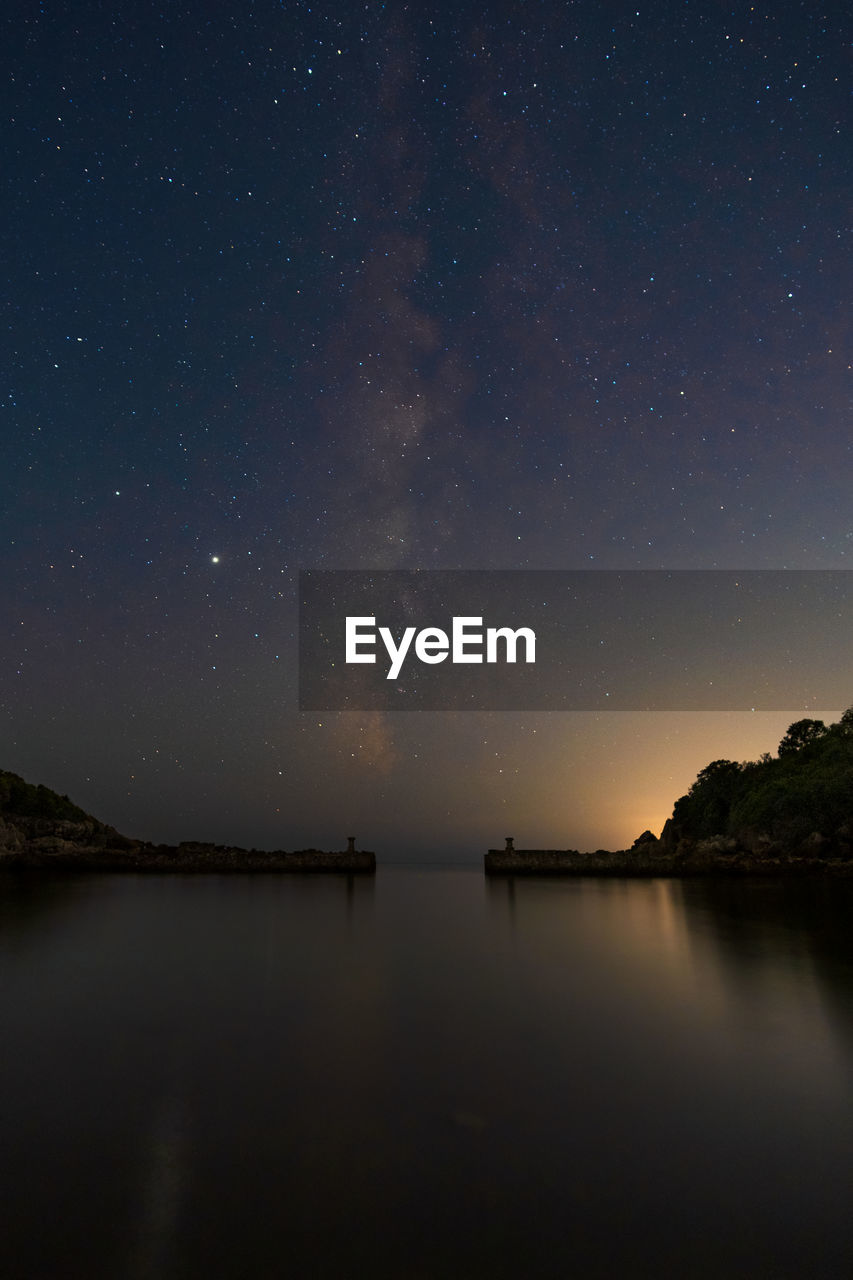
[580, 780]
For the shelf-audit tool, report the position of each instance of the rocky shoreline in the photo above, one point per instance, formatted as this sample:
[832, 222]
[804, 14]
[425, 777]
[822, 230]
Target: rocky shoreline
[569, 862]
[675, 855]
[63, 845]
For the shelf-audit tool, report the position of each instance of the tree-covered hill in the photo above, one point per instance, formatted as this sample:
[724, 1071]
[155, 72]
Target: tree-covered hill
[802, 795]
[20, 799]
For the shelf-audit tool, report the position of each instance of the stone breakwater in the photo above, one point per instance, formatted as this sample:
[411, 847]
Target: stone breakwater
[706, 858]
[35, 843]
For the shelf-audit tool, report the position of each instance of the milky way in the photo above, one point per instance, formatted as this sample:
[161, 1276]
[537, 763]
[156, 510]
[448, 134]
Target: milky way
[387, 286]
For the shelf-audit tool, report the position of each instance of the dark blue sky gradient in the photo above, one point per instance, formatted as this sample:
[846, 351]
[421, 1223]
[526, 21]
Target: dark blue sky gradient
[384, 286]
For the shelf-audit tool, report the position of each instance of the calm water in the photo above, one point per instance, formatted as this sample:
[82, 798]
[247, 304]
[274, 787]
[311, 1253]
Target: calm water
[426, 1076]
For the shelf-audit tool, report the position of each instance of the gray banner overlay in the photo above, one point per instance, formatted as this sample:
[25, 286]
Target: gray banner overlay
[636, 640]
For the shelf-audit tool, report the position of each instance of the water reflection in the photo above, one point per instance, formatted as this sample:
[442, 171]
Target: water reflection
[774, 936]
[715, 1023]
[736, 950]
[429, 1074]
[165, 1167]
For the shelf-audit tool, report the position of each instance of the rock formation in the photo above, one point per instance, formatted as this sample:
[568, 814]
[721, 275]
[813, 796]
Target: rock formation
[40, 829]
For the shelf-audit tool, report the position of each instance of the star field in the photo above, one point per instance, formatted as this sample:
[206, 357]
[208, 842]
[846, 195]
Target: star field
[382, 286]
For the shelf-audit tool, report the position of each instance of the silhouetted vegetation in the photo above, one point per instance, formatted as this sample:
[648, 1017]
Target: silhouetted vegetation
[41, 829]
[22, 799]
[806, 788]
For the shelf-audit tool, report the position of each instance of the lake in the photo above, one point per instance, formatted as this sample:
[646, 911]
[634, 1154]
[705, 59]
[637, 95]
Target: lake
[425, 1076]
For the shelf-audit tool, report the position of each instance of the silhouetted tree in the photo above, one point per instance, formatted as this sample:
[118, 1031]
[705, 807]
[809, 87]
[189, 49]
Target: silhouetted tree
[808, 787]
[705, 808]
[801, 734]
[23, 799]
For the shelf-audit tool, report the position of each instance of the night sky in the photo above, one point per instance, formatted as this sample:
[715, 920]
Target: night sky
[380, 286]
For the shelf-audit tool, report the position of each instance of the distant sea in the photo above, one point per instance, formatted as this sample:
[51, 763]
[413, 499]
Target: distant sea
[424, 1076]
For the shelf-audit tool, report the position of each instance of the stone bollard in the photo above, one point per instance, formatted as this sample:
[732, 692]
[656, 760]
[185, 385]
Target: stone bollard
[509, 848]
[350, 844]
